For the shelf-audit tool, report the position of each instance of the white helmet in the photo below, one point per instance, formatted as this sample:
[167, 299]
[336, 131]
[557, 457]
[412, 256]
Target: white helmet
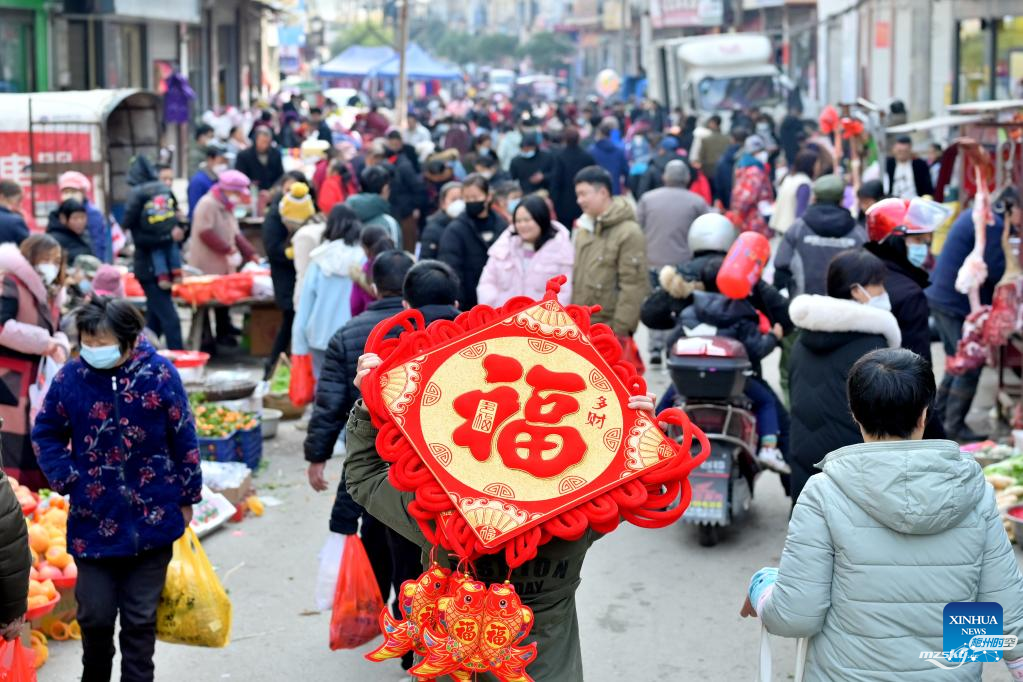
[711, 232]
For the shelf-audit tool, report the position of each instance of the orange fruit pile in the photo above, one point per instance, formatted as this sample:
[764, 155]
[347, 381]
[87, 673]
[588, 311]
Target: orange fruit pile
[47, 538]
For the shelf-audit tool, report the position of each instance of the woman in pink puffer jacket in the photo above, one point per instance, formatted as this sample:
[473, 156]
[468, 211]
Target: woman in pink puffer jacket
[531, 251]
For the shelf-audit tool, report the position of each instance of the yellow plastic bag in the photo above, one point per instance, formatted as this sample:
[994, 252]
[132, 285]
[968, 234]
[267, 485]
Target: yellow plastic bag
[194, 609]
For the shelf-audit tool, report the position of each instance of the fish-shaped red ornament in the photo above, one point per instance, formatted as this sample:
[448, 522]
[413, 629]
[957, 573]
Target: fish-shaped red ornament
[418, 603]
[481, 631]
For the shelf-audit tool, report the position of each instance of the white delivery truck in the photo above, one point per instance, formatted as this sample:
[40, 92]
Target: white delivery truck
[716, 74]
[501, 82]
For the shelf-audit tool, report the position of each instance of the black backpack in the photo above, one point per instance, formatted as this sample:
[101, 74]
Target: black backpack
[159, 213]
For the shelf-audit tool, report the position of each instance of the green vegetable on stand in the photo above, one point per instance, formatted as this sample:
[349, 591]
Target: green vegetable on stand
[281, 379]
[1010, 467]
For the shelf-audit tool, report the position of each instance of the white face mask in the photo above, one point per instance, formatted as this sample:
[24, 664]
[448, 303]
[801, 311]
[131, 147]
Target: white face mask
[881, 301]
[455, 208]
[761, 157]
[48, 272]
[220, 168]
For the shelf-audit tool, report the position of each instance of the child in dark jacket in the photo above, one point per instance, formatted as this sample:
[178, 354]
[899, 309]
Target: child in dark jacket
[117, 435]
[739, 320]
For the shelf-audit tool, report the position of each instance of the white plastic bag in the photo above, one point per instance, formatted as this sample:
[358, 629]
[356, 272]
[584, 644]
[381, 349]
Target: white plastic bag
[326, 578]
[764, 669]
[48, 369]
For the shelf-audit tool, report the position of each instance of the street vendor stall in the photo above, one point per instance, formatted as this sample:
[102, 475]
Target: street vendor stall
[95, 132]
[249, 291]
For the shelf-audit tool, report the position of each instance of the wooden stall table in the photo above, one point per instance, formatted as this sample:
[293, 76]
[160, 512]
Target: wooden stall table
[264, 320]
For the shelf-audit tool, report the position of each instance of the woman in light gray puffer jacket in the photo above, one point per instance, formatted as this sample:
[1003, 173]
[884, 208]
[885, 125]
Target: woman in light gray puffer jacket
[893, 530]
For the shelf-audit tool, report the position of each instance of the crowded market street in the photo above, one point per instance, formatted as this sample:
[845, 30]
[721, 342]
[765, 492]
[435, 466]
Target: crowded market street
[511, 341]
[269, 565]
[668, 613]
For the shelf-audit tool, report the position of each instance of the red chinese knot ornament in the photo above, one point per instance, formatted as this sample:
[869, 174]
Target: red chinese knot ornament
[510, 426]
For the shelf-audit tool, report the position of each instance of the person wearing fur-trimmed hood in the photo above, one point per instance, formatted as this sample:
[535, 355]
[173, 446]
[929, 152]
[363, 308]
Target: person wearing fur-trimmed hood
[853, 319]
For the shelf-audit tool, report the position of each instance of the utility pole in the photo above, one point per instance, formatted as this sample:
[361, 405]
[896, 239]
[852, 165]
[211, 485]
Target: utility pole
[402, 77]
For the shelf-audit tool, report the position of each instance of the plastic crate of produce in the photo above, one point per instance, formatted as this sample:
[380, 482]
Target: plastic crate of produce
[220, 449]
[250, 446]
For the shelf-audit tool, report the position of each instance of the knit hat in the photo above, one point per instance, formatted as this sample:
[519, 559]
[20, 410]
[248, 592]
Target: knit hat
[74, 180]
[107, 282]
[829, 189]
[234, 181]
[297, 206]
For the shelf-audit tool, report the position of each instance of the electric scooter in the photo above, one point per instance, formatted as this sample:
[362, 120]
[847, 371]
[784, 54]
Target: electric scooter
[709, 374]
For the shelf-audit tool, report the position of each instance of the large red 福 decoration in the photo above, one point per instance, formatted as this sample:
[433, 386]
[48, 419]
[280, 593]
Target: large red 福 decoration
[510, 426]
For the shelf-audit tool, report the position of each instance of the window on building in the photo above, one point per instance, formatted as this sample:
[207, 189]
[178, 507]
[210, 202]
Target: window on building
[228, 65]
[80, 61]
[974, 74]
[1009, 58]
[17, 52]
[196, 72]
[124, 59]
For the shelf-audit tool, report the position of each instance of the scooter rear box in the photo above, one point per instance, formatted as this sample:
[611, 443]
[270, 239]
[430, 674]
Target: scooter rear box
[709, 368]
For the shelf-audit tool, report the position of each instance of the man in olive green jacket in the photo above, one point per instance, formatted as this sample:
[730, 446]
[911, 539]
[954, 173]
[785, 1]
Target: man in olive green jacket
[547, 584]
[610, 254]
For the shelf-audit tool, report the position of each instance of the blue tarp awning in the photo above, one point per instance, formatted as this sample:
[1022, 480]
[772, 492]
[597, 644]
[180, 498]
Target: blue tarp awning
[419, 65]
[357, 61]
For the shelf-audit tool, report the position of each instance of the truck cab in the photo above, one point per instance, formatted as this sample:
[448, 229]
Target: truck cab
[501, 82]
[716, 74]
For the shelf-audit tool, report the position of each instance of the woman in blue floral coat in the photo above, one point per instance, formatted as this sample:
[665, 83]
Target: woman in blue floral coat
[117, 435]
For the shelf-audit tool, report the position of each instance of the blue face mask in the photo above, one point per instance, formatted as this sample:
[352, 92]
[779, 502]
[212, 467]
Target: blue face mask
[917, 254]
[528, 155]
[513, 204]
[101, 357]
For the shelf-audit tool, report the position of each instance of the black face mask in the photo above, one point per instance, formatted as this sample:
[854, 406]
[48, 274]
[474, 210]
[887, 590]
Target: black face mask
[475, 208]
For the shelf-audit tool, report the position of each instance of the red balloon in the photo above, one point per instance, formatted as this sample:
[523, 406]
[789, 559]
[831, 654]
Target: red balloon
[743, 265]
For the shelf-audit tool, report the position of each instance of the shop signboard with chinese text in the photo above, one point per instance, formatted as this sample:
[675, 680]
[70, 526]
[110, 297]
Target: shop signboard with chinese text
[686, 13]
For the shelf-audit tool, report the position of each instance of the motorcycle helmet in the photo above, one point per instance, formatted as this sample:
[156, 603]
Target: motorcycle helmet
[901, 216]
[1004, 199]
[711, 232]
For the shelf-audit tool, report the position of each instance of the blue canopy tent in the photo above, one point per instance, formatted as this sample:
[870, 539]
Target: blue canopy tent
[419, 65]
[357, 62]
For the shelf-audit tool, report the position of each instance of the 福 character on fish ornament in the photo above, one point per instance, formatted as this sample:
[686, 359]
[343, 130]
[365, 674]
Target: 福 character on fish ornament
[418, 604]
[489, 647]
[452, 647]
[505, 623]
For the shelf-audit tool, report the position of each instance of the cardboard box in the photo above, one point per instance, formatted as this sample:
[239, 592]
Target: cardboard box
[264, 321]
[237, 495]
